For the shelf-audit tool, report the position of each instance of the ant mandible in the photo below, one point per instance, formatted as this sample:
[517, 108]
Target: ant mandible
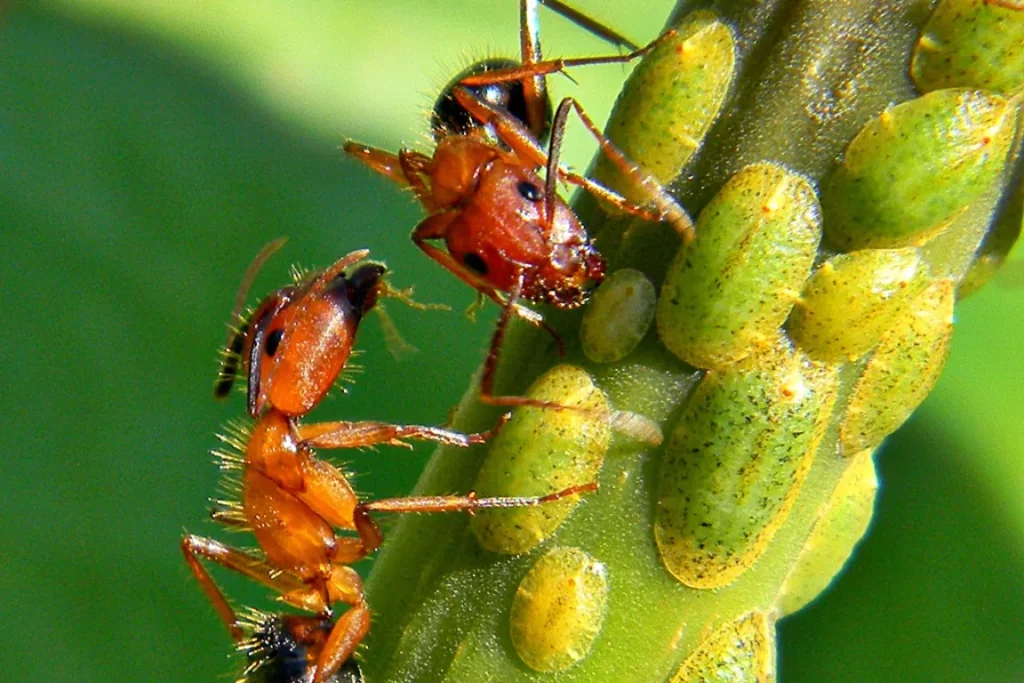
[506, 232]
[293, 348]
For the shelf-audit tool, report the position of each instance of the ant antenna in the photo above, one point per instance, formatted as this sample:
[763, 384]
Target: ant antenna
[393, 339]
[258, 261]
[238, 326]
[384, 290]
[396, 344]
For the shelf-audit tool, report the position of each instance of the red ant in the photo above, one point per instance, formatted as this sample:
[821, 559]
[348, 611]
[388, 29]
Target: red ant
[293, 348]
[506, 232]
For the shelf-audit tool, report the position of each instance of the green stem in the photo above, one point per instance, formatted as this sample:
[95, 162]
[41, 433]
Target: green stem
[807, 77]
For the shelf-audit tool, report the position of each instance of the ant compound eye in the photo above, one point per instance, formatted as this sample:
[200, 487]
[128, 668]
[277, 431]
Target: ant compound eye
[529, 191]
[475, 263]
[273, 341]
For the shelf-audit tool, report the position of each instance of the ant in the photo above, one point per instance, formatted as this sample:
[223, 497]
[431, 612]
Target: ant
[506, 232]
[284, 648]
[292, 349]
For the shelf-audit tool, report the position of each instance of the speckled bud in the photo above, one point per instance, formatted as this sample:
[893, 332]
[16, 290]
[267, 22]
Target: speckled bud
[853, 299]
[670, 101]
[840, 524]
[971, 44]
[558, 609]
[726, 294]
[539, 452]
[735, 463]
[902, 370]
[912, 168]
[740, 651]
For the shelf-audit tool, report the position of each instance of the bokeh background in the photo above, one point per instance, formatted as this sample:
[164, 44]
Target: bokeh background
[148, 149]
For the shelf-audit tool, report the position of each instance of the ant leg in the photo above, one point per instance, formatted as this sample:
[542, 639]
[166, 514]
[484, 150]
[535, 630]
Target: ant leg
[530, 69]
[494, 352]
[213, 593]
[491, 363]
[369, 532]
[394, 166]
[344, 585]
[381, 161]
[535, 88]
[507, 127]
[416, 168]
[435, 227]
[533, 81]
[668, 209]
[469, 503]
[195, 547]
[346, 635]
[587, 23]
[358, 434]
[512, 133]
[545, 68]
[634, 425]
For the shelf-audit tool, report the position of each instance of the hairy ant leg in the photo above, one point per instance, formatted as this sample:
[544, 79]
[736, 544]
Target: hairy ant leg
[490, 369]
[518, 138]
[344, 585]
[435, 227]
[528, 71]
[669, 210]
[342, 434]
[530, 27]
[535, 94]
[636, 426]
[407, 168]
[470, 503]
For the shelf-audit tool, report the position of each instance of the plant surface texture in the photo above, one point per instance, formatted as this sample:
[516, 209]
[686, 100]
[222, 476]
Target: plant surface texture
[852, 169]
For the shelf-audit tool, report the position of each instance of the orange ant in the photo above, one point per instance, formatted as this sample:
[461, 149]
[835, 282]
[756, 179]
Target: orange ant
[292, 349]
[506, 232]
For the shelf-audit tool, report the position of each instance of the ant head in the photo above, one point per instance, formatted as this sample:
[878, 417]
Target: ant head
[451, 118]
[550, 258]
[577, 269]
[363, 286]
[283, 648]
[301, 339]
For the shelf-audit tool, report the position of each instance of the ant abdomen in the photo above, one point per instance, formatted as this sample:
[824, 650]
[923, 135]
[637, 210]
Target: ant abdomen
[451, 118]
[284, 648]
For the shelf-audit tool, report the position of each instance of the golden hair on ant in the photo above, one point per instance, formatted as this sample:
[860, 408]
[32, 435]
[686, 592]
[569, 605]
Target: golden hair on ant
[503, 229]
[296, 343]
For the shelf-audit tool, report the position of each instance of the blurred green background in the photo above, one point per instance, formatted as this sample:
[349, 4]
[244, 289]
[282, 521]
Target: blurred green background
[148, 149]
